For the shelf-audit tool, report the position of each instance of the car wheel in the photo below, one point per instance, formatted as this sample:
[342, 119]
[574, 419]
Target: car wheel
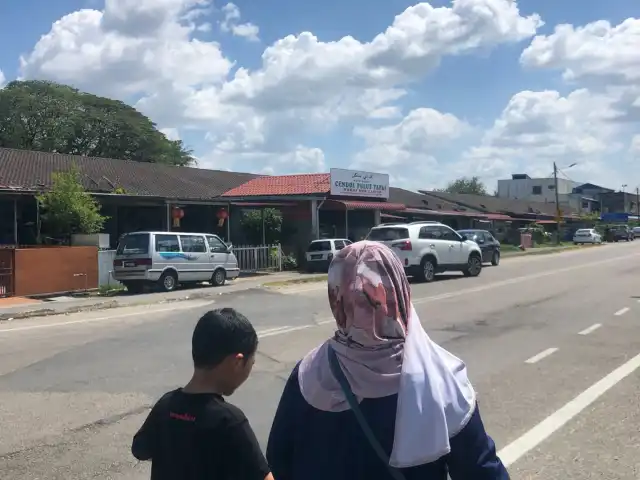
[427, 270]
[219, 277]
[495, 260]
[474, 266]
[168, 281]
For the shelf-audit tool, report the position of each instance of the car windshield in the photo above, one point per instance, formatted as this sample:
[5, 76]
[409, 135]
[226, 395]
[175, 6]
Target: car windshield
[583, 232]
[133, 244]
[388, 234]
[319, 246]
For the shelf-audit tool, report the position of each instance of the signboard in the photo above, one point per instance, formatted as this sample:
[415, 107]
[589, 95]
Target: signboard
[355, 183]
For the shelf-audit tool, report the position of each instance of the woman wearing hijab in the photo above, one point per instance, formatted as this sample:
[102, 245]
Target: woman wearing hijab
[380, 400]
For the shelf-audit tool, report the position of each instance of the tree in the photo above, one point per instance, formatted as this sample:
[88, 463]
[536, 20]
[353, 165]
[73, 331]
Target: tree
[67, 208]
[471, 185]
[49, 117]
[251, 222]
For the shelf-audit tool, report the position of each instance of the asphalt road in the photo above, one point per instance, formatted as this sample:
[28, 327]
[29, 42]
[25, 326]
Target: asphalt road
[552, 344]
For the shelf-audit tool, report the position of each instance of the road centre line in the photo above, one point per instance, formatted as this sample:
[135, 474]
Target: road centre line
[622, 311]
[543, 430]
[591, 329]
[541, 355]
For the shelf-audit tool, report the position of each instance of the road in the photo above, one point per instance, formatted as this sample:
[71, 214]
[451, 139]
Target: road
[552, 344]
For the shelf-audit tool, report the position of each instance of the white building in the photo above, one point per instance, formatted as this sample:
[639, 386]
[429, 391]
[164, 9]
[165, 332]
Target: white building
[523, 187]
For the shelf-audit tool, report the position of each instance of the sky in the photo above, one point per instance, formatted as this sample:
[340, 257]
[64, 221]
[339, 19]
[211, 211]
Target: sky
[426, 92]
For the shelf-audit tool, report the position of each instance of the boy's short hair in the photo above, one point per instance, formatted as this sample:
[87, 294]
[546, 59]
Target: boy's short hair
[220, 333]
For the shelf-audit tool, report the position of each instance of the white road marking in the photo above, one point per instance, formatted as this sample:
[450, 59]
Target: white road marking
[622, 311]
[591, 329]
[534, 437]
[288, 329]
[541, 355]
[173, 308]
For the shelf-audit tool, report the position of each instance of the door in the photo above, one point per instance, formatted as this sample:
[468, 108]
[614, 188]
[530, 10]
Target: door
[218, 253]
[453, 241]
[431, 239]
[167, 252]
[486, 246]
[195, 263]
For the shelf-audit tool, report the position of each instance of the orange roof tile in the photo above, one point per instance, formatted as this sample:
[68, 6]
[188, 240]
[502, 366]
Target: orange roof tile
[305, 184]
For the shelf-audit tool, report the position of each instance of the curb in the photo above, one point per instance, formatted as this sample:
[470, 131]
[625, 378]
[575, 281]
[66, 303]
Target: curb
[109, 304]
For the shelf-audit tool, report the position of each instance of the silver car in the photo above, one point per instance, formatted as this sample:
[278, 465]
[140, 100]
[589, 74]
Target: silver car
[168, 259]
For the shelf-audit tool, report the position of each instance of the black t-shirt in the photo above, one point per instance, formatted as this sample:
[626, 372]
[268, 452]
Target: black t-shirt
[199, 436]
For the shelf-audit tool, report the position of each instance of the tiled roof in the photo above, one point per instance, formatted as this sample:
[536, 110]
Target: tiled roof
[25, 170]
[370, 205]
[490, 204]
[423, 200]
[306, 184]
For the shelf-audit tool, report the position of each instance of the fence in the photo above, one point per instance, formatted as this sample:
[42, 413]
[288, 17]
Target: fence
[6, 272]
[258, 258]
[105, 266]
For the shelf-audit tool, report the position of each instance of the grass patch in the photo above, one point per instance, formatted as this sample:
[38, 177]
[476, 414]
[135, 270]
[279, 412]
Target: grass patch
[296, 281]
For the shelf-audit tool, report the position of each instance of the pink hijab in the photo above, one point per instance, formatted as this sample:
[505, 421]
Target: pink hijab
[383, 350]
[369, 296]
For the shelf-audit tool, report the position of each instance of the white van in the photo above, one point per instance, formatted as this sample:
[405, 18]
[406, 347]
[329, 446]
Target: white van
[172, 258]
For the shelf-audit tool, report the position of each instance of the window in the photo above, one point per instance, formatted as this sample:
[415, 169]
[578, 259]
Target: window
[324, 246]
[193, 244]
[339, 244]
[553, 187]
[167, 243]
[585, 205]
[536, 190]
[430, 232]
[216, 245]
[388, 234]
[449, 234]
[133, 243]
[348, 242]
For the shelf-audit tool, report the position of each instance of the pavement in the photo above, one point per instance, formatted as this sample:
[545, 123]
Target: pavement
[552, 344]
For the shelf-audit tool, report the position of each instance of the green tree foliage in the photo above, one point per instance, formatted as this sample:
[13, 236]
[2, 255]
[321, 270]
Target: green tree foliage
[67, 208]
[471, 185]
[251, 222]
[49, 117]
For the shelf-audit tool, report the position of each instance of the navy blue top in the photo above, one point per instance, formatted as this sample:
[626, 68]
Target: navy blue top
[309, 444]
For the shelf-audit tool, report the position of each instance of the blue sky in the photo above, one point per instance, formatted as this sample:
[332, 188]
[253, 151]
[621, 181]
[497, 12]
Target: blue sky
[426, 101]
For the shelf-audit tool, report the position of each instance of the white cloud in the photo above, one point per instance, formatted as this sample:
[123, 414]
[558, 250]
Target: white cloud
[634, 146]
[596, 51]
[230, 24]
[148, 52]
[3, 79]
[410, 149]
[171, 133]
[537, 128]
[133, 47]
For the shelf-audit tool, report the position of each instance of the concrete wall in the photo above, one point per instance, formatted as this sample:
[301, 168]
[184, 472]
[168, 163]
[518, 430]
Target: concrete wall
[105, 266]
[523, 189]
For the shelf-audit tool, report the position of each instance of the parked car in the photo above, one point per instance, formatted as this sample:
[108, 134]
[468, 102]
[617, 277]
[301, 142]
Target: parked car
[428, 248]
[586, 235]
[168, 259]
[321, 252]
[623, 232]
[636, 232]
[489, 246]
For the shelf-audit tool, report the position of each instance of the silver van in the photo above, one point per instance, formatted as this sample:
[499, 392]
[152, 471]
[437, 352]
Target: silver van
[172, 258]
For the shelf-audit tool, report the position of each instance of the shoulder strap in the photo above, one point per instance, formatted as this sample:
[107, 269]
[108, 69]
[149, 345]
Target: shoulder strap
[337, 372]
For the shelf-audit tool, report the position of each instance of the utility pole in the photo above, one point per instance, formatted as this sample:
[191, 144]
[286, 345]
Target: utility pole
[638, 204]
[558, 214]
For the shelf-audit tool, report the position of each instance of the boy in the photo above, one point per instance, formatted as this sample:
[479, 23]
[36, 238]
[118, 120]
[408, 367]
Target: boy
[192, 433]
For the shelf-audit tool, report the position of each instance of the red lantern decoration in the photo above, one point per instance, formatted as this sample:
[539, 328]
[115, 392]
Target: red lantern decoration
[177, 213]
[222, 215]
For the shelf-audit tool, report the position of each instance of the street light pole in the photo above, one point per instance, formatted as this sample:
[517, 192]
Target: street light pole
[555, 187]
